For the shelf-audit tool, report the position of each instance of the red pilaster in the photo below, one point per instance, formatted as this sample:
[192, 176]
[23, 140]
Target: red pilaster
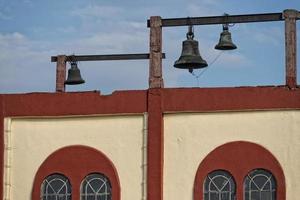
[155, 145]
[1, 145]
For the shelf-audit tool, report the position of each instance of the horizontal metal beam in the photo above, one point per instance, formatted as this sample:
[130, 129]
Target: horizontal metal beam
[264, 17]
[106, 57]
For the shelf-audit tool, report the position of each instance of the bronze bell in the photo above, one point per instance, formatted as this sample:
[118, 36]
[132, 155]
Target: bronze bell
[225, 42]
[74, 77]
[190, 57]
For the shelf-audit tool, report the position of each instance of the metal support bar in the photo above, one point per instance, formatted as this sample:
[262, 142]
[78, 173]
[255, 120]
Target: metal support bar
[264, 17]
[290, 17]
[106, 57]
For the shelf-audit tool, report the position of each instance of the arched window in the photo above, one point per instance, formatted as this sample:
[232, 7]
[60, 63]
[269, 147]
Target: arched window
[68, 161]
[56, 186]
[95, 187]
[219, 185]
[239, 158]
[260, 184]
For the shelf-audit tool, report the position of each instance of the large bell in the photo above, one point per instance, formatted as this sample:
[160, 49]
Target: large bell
[190, 57]
[74, 77]
[225, 41]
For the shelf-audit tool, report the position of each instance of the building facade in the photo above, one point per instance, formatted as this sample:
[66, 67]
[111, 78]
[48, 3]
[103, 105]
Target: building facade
[186, 143]
[237, 143]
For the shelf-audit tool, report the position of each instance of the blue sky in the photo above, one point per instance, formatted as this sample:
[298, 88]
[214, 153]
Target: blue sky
[31, 31]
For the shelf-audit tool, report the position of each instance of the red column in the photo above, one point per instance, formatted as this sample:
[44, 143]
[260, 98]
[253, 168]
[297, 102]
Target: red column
[155, 145]
[2, 144]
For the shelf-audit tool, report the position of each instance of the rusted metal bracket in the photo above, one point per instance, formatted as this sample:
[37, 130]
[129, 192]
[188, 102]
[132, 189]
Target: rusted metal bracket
[106, 57]
[62, 59]
[264, 17]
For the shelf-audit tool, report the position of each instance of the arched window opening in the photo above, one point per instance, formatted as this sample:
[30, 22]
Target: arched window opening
[96, 187]
[219, 185]
[56, 187]
[266, 182]
[67, 161]
[260, 184]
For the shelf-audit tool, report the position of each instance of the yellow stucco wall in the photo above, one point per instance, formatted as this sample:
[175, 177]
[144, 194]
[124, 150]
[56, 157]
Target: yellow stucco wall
[190, 137]
[118, 137]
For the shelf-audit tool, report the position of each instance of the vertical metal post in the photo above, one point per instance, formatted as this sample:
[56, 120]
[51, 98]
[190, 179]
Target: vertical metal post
[155, 62]
[60, 73]
[290, 17]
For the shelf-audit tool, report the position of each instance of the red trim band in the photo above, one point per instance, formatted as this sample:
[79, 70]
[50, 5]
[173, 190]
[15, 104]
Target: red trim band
[231, 99]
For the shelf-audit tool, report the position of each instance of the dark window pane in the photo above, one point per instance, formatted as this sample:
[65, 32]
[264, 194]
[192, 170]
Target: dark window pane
[96, 187]
[56, 186]
[219, 185]
[214, 196]
[225, 196]
[266, 195]
[255, 196]
[259, 185]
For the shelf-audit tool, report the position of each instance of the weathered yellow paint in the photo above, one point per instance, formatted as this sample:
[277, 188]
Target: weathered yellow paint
[189, 137]
[118, 137]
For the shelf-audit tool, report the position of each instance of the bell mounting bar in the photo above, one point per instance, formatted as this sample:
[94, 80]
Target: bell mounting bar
[106, 57]
[264, 17]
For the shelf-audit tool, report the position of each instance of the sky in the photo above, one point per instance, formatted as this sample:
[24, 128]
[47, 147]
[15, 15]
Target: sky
[31, 31]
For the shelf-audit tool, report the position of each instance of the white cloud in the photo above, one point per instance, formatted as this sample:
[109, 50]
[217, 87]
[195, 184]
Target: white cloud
[203, 8]
[97, 11]
[233, 60]
[16, 38]
[23, 64]
[273, 35]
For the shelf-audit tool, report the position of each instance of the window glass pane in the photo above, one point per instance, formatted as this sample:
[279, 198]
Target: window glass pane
[96, 187]
[219, 185]
[214, 196]
[225, 196]
[260, 185]
[56, 186]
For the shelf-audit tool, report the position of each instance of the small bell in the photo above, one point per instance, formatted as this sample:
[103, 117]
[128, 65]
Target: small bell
[190, 57]
[225, 42]
[74, 77]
